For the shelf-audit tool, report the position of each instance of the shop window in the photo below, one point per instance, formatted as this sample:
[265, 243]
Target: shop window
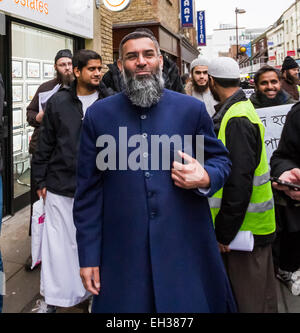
[33, 53]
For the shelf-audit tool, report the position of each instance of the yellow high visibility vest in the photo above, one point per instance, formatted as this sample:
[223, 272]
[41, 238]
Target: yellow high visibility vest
[260, 215]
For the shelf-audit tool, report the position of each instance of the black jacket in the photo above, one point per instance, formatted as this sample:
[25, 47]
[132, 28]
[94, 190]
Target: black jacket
[55, 158]
[1, 120]
[287, 155]
[244, 145]
[281, 99]
[114, 82]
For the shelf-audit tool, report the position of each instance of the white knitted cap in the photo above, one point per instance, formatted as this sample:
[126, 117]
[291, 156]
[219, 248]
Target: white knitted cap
[224, 68]
[200, 61]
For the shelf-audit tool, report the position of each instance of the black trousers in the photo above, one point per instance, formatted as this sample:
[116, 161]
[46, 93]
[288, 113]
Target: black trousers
[286, 248]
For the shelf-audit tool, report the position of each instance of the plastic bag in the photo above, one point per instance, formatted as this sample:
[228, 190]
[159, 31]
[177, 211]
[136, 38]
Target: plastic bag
[37, 227]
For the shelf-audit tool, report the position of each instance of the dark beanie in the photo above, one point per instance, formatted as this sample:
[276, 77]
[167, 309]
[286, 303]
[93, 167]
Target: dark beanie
[63, 54]
[289, 63]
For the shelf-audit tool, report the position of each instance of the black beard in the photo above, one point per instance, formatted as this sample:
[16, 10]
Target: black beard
[266, 102]
[64, 80]
[291, 79]
[199, 89]
[144, 91]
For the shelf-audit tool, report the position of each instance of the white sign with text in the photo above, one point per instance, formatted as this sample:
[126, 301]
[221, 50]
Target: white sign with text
[273, 118]
[71, 16]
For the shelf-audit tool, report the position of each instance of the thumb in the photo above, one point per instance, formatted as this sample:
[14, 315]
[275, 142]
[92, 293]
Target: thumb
[186, 157]
[96, 276]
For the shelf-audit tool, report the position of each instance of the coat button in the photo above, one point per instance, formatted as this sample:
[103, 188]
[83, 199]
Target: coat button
[152, 215]
[147, 174]
[145, 155]
[143, 117]
[145, 135]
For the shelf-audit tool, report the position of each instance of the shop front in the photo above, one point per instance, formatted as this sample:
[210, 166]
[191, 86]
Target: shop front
[31, 33]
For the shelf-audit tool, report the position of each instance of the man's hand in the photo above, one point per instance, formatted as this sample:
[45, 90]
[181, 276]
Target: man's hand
[39, 116]
[223, 248]
[42, 193]
[291, 176]
[90, 277]
[189, 176]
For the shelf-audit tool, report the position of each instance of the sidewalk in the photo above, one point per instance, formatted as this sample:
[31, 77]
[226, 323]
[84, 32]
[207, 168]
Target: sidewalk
[22, 288]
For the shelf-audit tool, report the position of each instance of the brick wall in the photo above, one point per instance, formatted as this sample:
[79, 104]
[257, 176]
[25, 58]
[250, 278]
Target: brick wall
[102, 42]
[168, 11]
[137, 11]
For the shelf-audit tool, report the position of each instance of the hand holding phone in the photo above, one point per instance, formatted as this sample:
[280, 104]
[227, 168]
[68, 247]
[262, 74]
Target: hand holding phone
[295, 187]
[289, 183]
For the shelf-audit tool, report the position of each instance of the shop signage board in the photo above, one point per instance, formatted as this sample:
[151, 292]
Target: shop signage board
[71, 16]
[187, 11]
[201, 28]
[116, 5]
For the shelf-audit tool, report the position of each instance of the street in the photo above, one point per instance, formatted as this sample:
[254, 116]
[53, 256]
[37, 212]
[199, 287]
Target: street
[22, 287]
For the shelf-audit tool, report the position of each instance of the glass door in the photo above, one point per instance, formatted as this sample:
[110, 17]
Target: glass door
[32, 63]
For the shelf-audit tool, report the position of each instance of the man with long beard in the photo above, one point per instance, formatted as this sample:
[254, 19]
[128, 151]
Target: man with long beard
[198, 87]
[35, 113]
[290, 77]
[145, 238]
[268, 91]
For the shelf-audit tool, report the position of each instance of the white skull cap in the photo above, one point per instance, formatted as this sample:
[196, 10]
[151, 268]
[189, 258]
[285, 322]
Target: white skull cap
[224, 68]
[200, 61]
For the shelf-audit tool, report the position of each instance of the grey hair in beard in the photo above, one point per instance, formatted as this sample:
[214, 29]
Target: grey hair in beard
[145, 91]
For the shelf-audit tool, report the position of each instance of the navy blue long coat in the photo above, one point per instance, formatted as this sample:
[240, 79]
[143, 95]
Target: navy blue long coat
[154, 242]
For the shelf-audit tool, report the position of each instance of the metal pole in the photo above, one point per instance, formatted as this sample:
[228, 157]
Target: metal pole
[237, 34]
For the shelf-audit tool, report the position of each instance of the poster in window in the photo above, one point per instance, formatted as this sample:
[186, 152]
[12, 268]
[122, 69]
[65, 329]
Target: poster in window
[17, 142]
[17, 118]
[17, 93]
[48, 70]
[31, 90]
[29, 135]
[17, 69]
[33, 70]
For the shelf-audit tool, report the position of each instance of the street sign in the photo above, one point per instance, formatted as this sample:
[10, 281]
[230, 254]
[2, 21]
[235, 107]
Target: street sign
[187, 17]
[201, 28]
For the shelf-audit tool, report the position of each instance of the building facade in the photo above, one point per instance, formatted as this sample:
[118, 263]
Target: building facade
[30, 37]
[162, 18]
[224, 39]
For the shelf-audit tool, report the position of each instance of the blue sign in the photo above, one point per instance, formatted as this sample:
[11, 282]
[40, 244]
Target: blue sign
[187, 17]
[201, 28]
[248, 49]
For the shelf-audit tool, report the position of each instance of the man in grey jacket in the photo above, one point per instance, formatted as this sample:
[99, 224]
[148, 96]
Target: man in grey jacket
[198, 87]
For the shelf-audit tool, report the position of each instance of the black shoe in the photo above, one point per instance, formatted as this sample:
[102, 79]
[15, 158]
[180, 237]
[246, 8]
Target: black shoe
[28, 264]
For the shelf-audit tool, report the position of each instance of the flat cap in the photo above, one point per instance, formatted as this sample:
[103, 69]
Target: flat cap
[224, 68]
